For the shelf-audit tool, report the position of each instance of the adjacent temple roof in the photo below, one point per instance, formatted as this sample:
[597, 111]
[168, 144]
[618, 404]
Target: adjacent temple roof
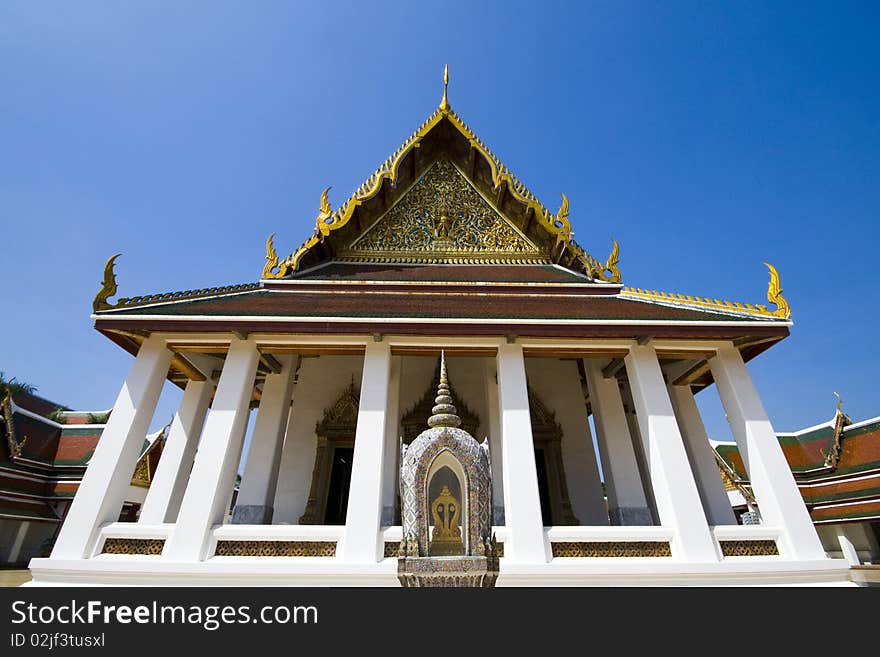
[42, 460]
[442, 233]
[836, 466]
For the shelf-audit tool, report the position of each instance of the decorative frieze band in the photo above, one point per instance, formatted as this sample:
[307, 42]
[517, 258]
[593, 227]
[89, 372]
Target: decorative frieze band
[749, 548]
[275, 549]
[610, 549]
[133, 546]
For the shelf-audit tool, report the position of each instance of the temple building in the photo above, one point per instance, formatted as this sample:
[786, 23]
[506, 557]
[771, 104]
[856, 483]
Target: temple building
[46, 449]
[374, 461]
[836, 466]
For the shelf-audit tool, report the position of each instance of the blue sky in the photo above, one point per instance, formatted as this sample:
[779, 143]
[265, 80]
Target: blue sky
[706, 137]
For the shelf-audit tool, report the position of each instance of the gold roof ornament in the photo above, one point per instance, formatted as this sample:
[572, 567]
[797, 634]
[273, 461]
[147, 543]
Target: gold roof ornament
[325, 212]
[556, 224]
[444, 103]
[774, 296]
[831, 458]
[108, 286]
[271, 257]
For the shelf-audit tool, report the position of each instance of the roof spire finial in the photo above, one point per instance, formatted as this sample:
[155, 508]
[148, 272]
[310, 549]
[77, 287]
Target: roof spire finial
[444, 413]
[444, 104]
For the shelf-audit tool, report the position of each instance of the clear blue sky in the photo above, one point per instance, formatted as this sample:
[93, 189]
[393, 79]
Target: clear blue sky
[705, 137]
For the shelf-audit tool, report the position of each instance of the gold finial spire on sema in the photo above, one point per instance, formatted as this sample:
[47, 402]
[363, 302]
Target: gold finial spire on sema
[444, 414]
[444, 104]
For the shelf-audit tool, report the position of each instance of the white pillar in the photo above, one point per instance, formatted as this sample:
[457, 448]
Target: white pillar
[363, 518]
[392, 447]
[493, 410]
[779, 501]
[675, 491]
[102, 492]
[169, 482]
[716, 503]
[522, 502]
[213, 474]
[846, 547]
[627, 503]
[256, 495]
[18, 541]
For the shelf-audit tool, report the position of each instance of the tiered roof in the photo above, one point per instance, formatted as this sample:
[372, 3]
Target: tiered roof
[836, 466]
[42, 461]
[441, 238]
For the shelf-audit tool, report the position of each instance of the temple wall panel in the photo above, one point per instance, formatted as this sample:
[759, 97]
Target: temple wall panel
[557, 384]
[321, 381]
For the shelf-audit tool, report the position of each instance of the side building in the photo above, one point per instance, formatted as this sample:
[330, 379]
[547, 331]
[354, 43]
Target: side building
[45, 451]
[836, 466]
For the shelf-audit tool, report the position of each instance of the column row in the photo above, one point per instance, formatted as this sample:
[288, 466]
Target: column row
[680, 466]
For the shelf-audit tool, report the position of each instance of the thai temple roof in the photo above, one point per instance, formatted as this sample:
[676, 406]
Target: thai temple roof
[444, 234]
[52, 453]
[836, 466]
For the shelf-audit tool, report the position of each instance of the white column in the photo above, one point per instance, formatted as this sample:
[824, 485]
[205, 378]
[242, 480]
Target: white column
[715, 501]
[392, 448]
[493, 410]
[169, 482]
[846, 547]
[102, 492]
[627, 503]
[522, 502]
[213, 474]
[675, 491]
[363, 518]
[256, 495]
[779, 501]
[18, 541]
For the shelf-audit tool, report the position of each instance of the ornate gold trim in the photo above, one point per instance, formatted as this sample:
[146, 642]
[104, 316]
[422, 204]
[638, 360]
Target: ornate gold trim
[558, 224]
[275, 549]
[749, 548]
[153, 546]
[774, 296]
[594, 549]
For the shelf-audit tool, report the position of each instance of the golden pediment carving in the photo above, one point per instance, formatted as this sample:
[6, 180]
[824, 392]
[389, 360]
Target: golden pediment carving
[443, 218]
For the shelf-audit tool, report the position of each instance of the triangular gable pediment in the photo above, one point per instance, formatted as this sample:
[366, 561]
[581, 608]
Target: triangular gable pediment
[442, 217]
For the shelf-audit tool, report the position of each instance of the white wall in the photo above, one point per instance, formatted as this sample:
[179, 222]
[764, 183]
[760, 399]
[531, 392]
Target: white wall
[557, 384]
[322, 380]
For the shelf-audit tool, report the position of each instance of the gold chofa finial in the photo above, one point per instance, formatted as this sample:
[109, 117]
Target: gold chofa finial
[444, 104]
[774, 294]
[108, 286]
[839, 402]
[324, 213]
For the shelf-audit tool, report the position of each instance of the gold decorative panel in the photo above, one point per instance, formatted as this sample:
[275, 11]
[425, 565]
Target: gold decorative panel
[611, 549]
[133, 546]
[392, 548]
[275, 549]
[443, 218]
[749, 548]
